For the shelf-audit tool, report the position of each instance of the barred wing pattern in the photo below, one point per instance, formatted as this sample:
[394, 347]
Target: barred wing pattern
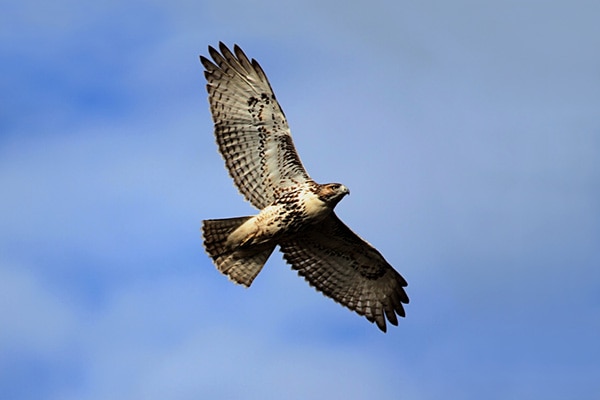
[343, 266]
[251, 130]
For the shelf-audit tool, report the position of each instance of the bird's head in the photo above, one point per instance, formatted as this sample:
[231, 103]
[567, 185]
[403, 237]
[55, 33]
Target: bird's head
[332, 193]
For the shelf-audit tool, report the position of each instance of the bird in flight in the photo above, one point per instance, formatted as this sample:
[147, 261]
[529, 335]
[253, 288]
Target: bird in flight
[296, 213]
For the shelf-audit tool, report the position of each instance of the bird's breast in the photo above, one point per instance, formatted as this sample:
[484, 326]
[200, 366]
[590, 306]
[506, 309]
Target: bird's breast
[314, 208]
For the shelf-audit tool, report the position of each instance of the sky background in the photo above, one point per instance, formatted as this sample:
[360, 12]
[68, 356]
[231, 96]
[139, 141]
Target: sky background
[467, 131]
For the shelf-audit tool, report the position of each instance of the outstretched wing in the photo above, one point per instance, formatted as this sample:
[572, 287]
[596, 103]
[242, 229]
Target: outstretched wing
[251, 129]
[344, 267]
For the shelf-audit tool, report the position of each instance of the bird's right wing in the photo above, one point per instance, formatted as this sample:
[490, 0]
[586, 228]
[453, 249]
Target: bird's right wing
[250, 127]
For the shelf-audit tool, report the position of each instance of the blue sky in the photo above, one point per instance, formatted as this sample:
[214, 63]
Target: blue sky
[468, 133]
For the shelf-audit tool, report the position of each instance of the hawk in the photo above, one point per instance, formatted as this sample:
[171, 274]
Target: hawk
[296, 213]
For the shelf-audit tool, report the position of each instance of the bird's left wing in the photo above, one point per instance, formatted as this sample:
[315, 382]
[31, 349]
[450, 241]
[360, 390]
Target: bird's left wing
[251, 130]
[343, 266]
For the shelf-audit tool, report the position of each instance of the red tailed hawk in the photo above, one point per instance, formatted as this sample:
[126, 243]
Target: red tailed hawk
[296, 213]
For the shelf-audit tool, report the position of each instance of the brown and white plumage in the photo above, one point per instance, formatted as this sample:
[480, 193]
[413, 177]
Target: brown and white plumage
[251, 130]
[296, 213]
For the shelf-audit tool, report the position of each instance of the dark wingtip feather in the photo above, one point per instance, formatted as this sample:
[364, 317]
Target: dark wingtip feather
[208, 65]
[213, 52]
[390, 314]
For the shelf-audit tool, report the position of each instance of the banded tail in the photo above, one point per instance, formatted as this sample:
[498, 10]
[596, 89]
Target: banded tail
[240, 264]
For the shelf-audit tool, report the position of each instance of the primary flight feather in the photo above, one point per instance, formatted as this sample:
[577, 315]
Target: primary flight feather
[296, 213]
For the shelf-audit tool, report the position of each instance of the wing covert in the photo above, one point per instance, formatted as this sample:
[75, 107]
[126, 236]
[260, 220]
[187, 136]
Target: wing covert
[250, 127]
[344, 267]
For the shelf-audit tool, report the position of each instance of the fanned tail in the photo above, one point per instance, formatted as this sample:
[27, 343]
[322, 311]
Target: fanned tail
[241, 265]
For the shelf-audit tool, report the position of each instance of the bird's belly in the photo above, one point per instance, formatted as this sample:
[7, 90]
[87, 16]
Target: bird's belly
[268, 225]
[277, 221]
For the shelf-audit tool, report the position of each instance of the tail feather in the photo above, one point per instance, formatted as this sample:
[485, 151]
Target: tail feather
[241, 265]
